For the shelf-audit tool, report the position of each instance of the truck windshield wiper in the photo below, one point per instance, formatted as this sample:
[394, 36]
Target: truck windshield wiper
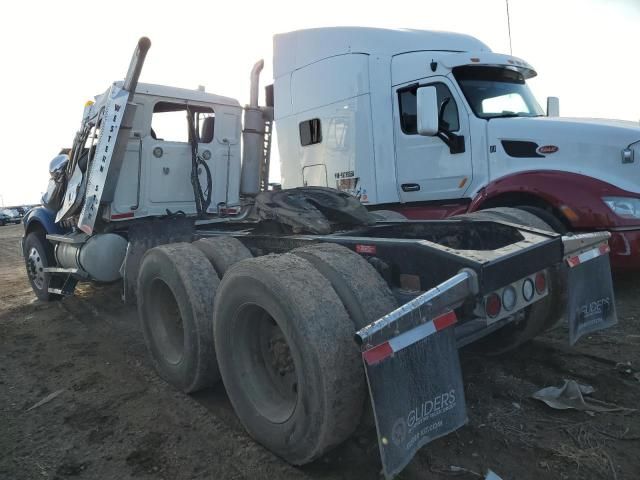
[504, 115]
[510, 115]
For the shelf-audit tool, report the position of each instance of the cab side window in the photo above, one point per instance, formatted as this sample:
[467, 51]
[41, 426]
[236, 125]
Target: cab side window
[407, 104]
[169, 122]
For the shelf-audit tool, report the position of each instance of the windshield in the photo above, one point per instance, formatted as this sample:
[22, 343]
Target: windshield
[496, 92]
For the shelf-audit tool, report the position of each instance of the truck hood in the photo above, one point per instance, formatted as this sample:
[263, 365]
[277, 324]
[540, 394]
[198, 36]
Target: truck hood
[590, 147]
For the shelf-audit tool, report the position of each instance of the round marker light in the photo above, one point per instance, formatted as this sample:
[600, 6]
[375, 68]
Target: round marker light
[541, 283]
[527, 289]
[492, 305]
[509, 298]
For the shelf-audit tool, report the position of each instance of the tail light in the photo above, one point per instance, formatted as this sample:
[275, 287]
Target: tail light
[541, 282]
[493, 305]
[509, 298]
[527, 289]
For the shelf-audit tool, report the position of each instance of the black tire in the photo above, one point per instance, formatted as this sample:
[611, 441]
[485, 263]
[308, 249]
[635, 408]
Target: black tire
[542, 315]
[287, 357]
[363, 292]
[508, 214]
[176, 288]
[547, 217]
[38, 255]
[222, 252]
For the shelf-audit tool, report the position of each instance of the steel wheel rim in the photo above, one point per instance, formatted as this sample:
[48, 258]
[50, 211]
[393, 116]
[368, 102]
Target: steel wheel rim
[266, 362]
[36, 268]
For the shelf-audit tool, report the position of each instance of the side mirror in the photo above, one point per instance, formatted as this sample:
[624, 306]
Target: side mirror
[553, 107]
[427, 111]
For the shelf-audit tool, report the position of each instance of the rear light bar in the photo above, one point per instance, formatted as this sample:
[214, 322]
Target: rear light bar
[514, 297]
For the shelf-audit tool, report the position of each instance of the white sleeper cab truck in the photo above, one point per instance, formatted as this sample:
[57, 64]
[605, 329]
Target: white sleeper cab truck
[289, 296]
[434, 124]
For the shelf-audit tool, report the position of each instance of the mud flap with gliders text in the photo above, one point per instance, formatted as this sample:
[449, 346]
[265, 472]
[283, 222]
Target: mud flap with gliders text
[416, 389]
[591, 304]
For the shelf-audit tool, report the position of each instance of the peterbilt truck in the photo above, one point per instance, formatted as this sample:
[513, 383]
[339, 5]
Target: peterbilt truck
[306, 306]
[347, 113]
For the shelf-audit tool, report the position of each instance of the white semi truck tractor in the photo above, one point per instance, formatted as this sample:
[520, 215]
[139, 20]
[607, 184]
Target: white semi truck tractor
[355, 110]
[304, 304]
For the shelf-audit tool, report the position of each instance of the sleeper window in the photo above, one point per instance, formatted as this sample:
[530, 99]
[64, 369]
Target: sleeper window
[310, 132]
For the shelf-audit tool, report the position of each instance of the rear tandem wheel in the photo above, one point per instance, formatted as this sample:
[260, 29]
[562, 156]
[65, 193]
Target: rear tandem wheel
[176, 287]
[285, 348]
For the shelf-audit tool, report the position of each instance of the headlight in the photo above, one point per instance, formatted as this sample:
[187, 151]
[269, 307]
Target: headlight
[625, 207]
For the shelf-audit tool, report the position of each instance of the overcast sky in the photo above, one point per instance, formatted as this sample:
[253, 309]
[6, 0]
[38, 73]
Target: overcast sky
[56, 55]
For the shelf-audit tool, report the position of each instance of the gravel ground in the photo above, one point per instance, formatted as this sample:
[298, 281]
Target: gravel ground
[112, 417]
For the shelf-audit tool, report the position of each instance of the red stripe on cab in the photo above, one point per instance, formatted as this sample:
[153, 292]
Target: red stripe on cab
[116, 216]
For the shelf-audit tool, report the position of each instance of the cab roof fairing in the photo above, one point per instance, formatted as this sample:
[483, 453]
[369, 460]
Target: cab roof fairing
[488, 59]
[299, 48]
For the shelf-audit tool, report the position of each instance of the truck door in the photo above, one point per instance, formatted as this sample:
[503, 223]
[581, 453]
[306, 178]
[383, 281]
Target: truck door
[426, 170]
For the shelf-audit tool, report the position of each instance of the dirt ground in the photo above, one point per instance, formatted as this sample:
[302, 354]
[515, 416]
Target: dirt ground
[113, 418]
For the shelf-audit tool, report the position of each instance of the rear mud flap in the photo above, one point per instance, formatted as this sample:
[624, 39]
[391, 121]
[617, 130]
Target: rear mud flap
[416, 389]
[591, 304]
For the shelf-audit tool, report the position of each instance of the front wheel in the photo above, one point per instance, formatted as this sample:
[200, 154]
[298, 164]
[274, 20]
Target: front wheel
[38, 255]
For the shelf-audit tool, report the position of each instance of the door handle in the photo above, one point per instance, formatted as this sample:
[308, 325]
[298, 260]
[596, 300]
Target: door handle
[410, 187]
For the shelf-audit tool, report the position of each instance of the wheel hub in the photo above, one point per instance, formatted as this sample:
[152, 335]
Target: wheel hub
[267, 363]
[35, 268]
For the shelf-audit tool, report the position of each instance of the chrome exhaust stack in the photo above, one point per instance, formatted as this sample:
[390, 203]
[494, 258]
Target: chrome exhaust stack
[252, 138]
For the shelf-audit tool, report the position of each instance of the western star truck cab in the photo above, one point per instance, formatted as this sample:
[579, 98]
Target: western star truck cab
[349, 107]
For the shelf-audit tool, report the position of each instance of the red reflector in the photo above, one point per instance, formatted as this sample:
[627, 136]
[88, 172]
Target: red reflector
[604, 248]
[116, 216]
[573, 261]
[445, 320]
[493, 305]
[377, 354]
[366, 249]
[541, 282]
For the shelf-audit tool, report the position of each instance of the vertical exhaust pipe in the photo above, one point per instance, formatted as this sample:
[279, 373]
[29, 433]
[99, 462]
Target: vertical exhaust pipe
[135, 66]
[255, 83]
[252, 137]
